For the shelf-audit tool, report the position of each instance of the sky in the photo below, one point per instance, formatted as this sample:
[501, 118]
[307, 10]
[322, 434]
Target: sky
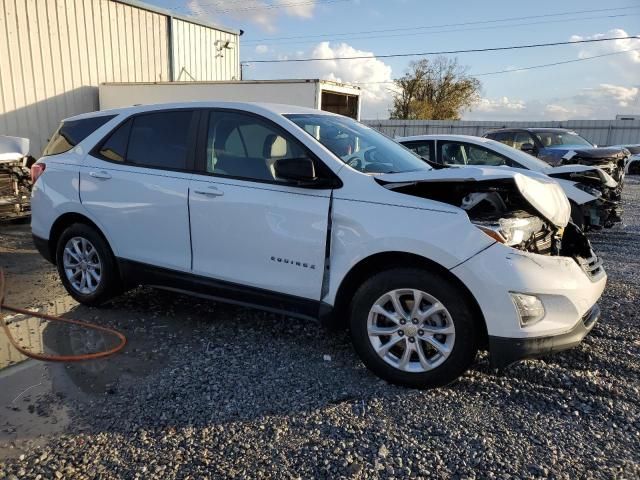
[598, 88]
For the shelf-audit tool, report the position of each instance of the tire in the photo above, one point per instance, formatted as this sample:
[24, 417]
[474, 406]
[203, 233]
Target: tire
[95, 292]
[434, 289]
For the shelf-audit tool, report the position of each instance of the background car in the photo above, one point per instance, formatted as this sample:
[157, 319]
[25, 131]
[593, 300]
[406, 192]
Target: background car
[632, 167]
[559, 146]
[593, 194]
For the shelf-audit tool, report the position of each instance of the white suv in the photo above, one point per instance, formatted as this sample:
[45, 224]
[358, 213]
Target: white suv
[313, 214]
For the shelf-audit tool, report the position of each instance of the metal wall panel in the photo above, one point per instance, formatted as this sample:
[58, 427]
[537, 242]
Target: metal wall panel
[55, 53]
[198, 54]
[600, 132]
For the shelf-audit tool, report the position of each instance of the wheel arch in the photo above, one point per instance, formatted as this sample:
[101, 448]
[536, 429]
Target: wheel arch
[380, 262]
[65, 220]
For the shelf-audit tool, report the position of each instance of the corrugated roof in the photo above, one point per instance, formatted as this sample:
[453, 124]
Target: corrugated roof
[170, 13]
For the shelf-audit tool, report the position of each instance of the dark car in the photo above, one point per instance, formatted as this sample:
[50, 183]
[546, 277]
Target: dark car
[559, 146]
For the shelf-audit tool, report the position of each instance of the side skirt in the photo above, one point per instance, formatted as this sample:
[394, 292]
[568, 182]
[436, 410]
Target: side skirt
[137, 273]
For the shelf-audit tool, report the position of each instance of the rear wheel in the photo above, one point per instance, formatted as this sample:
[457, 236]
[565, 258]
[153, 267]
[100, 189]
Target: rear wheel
[86, 265]
[413, 328]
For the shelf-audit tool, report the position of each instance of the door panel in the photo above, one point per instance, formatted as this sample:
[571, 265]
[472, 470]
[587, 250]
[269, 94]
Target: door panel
[136, 184]
[143, 211]
[260, 235]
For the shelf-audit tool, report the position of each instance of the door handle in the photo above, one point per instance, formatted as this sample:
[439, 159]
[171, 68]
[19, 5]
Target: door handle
[100, 174]
[210, 192]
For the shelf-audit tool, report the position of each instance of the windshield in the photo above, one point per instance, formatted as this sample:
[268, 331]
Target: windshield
[359, 146]
[556, 139]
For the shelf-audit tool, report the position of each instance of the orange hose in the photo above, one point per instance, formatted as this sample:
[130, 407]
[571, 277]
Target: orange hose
[56, 358]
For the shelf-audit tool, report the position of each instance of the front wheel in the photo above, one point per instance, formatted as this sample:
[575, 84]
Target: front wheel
[414, 328]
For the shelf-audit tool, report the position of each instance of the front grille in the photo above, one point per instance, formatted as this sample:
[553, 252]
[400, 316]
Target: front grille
[592, 266]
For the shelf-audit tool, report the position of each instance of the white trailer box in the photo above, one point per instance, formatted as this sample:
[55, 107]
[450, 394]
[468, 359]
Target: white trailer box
[325, 95]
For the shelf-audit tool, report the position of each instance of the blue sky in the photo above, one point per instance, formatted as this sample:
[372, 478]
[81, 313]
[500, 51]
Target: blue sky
[597, 88]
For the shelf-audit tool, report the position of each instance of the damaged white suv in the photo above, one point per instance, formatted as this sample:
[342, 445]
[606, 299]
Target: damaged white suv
[313, 214]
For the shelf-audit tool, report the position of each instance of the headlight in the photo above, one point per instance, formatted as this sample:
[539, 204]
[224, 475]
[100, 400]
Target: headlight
[590, 190]
[529, 307]
[512, 231]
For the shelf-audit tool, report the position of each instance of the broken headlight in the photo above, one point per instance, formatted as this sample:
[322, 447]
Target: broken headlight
[512, 231]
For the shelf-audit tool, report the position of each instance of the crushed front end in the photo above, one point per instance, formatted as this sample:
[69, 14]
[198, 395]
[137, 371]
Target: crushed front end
[606, 210]
[538, 285]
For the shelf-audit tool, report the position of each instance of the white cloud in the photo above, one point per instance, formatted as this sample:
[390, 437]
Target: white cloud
[499, 104]
[601, 102]
[625, 64]
[262, 49]
[259, 12]
[370, 72]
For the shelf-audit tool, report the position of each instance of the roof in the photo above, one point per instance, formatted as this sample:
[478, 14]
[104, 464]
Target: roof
[171, 13]
[471, 138]
[533, 129]
[244, 82]
[256, 107]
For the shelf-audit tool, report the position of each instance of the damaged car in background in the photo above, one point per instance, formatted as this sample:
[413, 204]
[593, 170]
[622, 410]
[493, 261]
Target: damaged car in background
[318, 216]
[559, 146]
[593, 194]
[15, 181]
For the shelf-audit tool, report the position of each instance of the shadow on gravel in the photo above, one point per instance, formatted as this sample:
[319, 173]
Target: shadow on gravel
[193, 362]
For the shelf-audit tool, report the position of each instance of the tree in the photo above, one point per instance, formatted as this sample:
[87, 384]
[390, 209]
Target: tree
[438, 89]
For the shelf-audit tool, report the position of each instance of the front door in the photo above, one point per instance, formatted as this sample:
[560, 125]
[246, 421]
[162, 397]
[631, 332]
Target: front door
[248, 227]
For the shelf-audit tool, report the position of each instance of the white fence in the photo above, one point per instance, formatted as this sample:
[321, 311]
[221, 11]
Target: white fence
[600, 132]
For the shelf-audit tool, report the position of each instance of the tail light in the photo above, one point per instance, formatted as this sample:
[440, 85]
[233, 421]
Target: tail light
[37, 169]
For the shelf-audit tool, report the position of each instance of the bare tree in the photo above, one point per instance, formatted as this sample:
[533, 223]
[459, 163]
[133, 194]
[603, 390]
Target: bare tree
[438, 89]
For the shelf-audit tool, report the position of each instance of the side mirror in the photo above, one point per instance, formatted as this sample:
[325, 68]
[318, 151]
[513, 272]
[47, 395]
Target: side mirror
[528, 147]
[297, 169]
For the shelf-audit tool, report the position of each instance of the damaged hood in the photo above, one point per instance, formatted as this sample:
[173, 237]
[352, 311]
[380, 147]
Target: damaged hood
[542, 193]
[563, 171]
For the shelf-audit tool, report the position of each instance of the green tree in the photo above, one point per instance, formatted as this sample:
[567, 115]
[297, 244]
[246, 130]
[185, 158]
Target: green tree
[438, 89]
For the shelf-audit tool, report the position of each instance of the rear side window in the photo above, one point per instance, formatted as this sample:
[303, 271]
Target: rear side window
[502, 137]
[159, 140]
[115, 148]
[72, 132]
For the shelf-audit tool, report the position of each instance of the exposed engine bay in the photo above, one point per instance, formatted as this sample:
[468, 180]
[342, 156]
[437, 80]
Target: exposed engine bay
[498, 208]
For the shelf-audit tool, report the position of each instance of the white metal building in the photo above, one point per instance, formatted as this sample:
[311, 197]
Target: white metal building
[55, 53]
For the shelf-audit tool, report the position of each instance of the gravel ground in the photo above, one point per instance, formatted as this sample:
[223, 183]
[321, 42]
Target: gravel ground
[206, 390]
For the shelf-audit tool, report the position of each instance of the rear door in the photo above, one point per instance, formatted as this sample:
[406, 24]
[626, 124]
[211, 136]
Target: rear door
[135, 183]
[248, 227]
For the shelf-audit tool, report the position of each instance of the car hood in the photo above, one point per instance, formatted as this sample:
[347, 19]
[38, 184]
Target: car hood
[564, 170]
[541, 192]
[594, 153]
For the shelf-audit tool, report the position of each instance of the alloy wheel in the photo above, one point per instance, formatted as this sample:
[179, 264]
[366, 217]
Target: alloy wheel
[411, 330]
[82, 265]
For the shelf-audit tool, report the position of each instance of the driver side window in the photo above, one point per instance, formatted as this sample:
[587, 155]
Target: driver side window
[247, 147]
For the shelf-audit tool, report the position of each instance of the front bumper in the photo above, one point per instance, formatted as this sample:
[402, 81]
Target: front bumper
[505, 351]
[567, 288]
